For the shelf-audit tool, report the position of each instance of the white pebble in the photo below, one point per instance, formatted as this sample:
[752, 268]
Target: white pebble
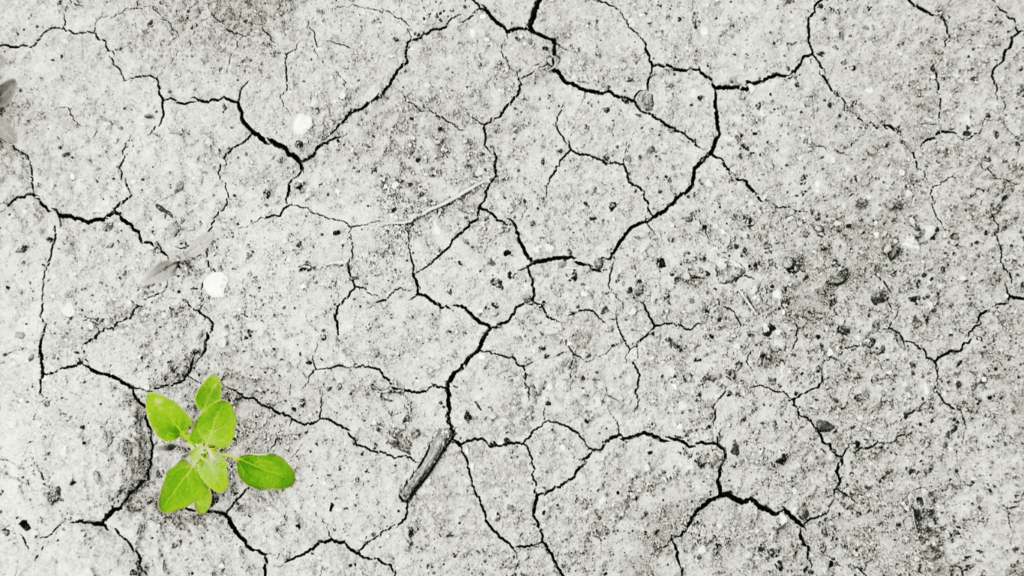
[215, 283]
[68, 310]
[301, 124]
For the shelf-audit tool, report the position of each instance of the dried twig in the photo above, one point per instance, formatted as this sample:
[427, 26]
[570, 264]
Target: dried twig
[434, 452]
[435, 208]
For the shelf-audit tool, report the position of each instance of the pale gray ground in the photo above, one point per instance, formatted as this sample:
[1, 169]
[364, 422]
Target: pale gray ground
[740, 292]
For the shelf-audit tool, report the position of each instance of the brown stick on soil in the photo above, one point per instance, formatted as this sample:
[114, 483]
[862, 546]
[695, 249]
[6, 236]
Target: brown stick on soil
[434, 452]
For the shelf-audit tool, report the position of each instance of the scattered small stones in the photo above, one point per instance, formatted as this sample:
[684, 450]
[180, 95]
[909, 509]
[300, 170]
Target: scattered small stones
[792, 264]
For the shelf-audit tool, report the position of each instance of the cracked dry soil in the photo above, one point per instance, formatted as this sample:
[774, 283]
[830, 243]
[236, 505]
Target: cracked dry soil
[696, 287]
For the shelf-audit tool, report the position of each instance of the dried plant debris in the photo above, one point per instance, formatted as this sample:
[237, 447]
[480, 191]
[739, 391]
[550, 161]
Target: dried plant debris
[7, 90]
[164, 271]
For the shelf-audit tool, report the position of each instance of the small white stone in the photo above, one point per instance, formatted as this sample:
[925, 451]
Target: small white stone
[215, 283]
[68, 310]
[301, 124]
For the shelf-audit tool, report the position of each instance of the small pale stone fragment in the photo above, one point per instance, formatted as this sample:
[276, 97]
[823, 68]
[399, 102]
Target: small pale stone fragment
[215, 283]
[301, 124]
[68, 310]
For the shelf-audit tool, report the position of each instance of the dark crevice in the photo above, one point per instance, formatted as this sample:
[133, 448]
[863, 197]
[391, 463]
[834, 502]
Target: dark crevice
[405, 62]
[924, 10]
[138, 557]
[483, 509]
[1002, 60]
[773, 76]
[342, 543]
[243, 539]
[198, 354]
[454, 374]
[689, 186]
[266, 140]
[444, 250]
[42, 304]
[373, 538]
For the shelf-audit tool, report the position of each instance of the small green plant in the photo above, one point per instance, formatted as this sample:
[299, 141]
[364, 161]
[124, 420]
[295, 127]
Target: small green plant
[205, 468]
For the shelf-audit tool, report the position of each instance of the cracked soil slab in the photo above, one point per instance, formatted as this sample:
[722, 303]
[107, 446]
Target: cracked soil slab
[631, 287]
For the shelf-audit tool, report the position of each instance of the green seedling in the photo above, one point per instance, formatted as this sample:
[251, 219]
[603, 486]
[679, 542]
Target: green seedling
[206, 468]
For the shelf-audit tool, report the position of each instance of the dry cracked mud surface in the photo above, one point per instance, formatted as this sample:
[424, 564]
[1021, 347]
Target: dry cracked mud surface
[696, 287]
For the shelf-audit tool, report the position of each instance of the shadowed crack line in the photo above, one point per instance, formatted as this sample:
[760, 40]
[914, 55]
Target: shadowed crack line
[405, 516]
[103, 524]
[320, 418]
[483, 509]
[941, 17]
[533, 15]
[138, 557]
[144, 478]
[536, 498]
[1002, 60]
[342, 543]
[458, 370]
[405, 62]
[647, 52]
[264, 139]
[244, 540]
[689, 186]
[42, 304]
[626, 100]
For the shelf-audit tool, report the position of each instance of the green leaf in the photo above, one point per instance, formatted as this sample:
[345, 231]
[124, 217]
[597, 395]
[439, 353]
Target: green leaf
[265, 471]
[214, 472]
[215, 426]
[204, 501]
[182, 486]
[208, 393]
[165, 417]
